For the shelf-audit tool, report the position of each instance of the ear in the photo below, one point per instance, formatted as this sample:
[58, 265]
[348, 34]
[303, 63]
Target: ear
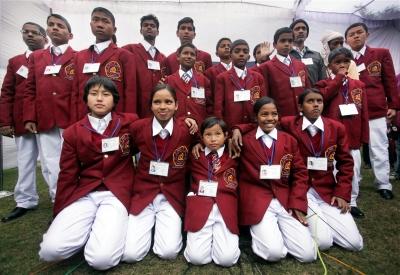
[300, 107]
[115, 30]
[274, 44]
[140, 31]
[70, 36]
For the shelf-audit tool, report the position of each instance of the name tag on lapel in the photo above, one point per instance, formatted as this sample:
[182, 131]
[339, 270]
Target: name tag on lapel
[241, 95]
[159, 168]
[23, 71]
[109, 144]
[153, 65]
[320, 164]
[91, 68]
[348, 109]
[295, 81]
[270, 172]
[52, 69]
[208, 188]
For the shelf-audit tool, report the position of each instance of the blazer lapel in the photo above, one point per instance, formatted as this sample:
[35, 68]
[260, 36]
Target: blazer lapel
[67, 56]
[174, 139]
[87, 135]
[257, 148]
[107, 53]
[279, 65]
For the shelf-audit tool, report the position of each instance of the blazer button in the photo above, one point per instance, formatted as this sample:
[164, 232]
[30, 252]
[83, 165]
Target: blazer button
[188, 96]
[54, 93]
[188, 113]
[161, 184]
[106, 156]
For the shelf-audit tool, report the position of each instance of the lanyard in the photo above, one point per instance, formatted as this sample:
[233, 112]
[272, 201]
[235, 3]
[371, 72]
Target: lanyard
[345, 91]
[117, 126]
[55, 59]
[159, 157]
[270, 158]
[193, 79]
[237, 84]
[317, 154]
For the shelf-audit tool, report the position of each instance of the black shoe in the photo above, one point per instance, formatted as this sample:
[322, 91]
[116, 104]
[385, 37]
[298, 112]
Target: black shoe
[386, 194]
[15, 214]
[356, 212]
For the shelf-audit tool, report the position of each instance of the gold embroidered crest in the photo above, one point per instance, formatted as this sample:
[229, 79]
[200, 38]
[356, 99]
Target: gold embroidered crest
[374, 68]
[69, 71]
[230, 178]
[113, 70]
[356, 95]
[199, 66]
[330, 154]
[124, 144]
[302, 75]
[179, 156]
[255, 93]
[286, 163]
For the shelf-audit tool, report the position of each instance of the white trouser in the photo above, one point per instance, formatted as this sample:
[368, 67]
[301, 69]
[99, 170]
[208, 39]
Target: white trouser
[167, 235]
[378, 152]
[98, 220]
[279, 233]
[328, 225]
[213, 242]
[50, 145]
[355, 183]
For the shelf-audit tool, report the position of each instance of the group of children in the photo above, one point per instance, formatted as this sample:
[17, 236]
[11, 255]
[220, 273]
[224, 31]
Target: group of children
[289, 171]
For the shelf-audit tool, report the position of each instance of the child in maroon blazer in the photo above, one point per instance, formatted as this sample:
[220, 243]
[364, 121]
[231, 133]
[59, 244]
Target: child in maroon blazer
[95, 182]
[193, 89]
[272, 189]
[323, 141]
[211, 206]
[345, 101]
[158, 196]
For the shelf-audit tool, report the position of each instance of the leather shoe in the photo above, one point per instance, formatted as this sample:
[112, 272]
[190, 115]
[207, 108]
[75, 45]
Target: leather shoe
[16, 213]
[356, 212]
[386, 194]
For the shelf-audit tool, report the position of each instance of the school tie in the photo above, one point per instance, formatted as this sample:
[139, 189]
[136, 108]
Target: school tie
[96, 49]
[56, 50]
[164, 133]
[152, 51]
[215, 161]
[357, 55]
[286, 61]
[312, 129]
[101, 127]
[186, 77]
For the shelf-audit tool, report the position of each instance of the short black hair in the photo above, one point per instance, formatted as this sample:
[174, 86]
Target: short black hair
[281, 31]
[295, 22]
[106, 12]
[340, 51]
[40, 28]
[210, 122]
[185, 20]
[238, 42]
[62, 18]
[356, 25]
[103, 81]
[261, 102]
[188, 44]
[162, 86]
[307, 91]
[149, 17]
[220, 41]
[255, 50]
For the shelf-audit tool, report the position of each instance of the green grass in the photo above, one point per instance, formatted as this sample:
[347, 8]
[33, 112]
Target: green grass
[20, 239]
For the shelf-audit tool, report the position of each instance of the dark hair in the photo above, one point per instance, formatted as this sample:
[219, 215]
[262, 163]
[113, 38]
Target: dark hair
[220, 41]
[103, 81]
[162, 86]
[295, 22]
[281, 31]
[261, 102]
[210, 122]
[149, 17]
[255, 50]
[62, 18]
[40, 28]
[303, 95]
[358, 24]
[185, 20]
[114, 38]
[188, 44]
[340, 51]
[106, 12]
[239, 42]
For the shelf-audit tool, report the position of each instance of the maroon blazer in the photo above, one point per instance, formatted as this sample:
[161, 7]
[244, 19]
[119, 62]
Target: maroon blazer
[146, 78]
[84, 168]
[231, 112]
[47, 98]
[147, 186]
[198, 208]
[203, 62]
[380, 81]
[212, 73]
[12, 95]
[357, 126]
[336, 147]
[196, 108]
[256, 194]
[115, 63]
[277, 84]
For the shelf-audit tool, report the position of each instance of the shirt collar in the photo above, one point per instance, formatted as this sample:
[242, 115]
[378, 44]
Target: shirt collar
[102, 45]
[282, 58]
[362, 51]
[226, 66]
[62, 48]
[147, 46]
[241, 73]
[95, 122]
[157, 126]
[318, 123]
[220, 151]
[301, 52]
[28, 53]
[181, 72]
[273, 134]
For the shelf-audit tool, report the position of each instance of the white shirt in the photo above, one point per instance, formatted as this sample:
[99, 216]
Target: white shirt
[149, 48]
[359, 53]
[157, 128]
[100, 47]
[226, 66]
[301, 52]
[181, 72]
[284, 59]
[241, 73]
[100, 124]
[28, 53]
[60, 49]
[318, 124]
[267, 138]
[220, 151]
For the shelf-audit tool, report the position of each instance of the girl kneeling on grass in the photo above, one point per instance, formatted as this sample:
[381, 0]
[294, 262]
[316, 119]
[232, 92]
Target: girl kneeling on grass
[94, 184]
[321, 141]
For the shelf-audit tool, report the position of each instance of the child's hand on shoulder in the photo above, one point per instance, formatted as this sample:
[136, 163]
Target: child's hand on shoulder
[191, 123]
[196, 150]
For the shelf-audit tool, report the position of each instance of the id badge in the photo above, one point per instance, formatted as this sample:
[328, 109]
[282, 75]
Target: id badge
[348, 109]
[241, 95]
[109, 144]
[320, 164]
[52, 69]
[295, 81]
[153, 65]
[270, 172]
[197, 92]
[91, 68]
[360, 68]
[208, 188]
[307, 61]
[23, 71]
[158, 168]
